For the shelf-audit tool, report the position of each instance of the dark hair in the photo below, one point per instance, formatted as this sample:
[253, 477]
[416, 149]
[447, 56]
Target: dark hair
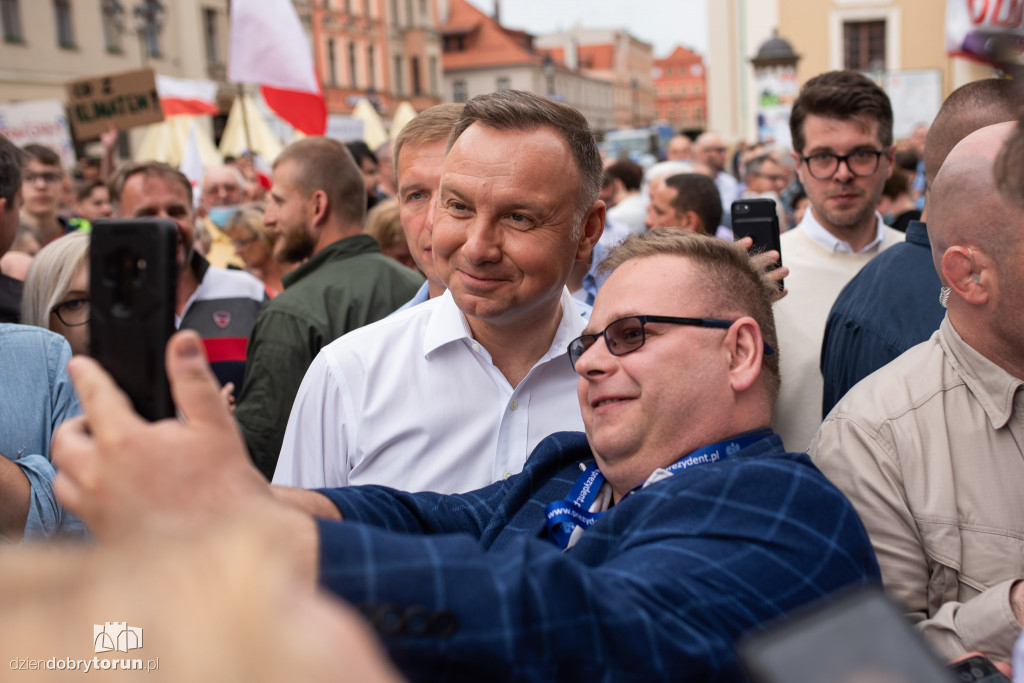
[754, 165]
[10, 170]
[897, 184]
[698, 193]
[148, 168]
[43, 155]
[631, 174]
[842, 95]
[86, 188]
[327, 165]
[359, 151]
[732, 283]
[525, 111]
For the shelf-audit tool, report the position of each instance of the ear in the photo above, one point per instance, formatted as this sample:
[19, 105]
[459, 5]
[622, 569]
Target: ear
[745, 346]
[890, 156]
[690, 221]
[593, 226]
[960, 274]
[320, 206]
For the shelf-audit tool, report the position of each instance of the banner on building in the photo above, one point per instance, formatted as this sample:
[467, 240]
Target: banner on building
[126, 100]
[38, 121]
[989, 31]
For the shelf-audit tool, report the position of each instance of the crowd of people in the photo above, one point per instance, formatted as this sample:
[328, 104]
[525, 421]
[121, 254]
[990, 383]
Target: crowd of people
[533, 413]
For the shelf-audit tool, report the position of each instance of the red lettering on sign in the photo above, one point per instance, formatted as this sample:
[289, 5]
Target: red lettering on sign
[1011, 17]
[977, 9]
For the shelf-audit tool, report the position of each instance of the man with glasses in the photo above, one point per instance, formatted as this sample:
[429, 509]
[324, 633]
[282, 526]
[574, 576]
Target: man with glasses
[640, 550]
[841, 125]
[41, 187]
[710, 150]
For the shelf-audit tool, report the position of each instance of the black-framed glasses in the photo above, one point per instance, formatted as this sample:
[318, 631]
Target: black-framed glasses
[74, 312]
[861, 163]
[626, 335]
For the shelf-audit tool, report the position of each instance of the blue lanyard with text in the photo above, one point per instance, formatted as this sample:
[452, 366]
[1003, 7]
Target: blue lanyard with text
[563, 516]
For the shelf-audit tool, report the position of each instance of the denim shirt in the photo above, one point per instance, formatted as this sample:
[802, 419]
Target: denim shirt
[36, 395]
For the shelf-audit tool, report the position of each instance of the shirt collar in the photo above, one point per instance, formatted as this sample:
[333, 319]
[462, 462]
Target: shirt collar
[817, 232]
[993, 387]
[448, 324]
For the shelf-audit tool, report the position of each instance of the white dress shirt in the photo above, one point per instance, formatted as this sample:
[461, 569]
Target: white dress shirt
[415, 403]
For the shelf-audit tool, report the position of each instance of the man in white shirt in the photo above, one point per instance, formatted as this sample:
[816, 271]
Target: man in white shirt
[842, 136]
[453, 394]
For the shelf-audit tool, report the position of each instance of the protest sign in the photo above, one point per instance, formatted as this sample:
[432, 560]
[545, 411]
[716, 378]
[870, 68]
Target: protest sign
[126, 100]
[38, 121]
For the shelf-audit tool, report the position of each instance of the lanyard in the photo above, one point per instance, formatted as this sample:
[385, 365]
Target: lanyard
[563, 516]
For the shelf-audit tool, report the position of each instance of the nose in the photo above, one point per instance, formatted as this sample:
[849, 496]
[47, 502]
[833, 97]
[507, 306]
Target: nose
[483, 242]
[843, 173]
[596, 360]
[270, 215]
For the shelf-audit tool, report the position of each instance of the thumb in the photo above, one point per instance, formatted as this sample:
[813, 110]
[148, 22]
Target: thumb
[195, 390]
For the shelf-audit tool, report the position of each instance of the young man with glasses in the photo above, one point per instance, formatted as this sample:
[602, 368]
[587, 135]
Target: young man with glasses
[842, 136]
[640, 550]
[41, 180]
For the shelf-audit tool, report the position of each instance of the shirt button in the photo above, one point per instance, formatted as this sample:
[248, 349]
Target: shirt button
[476, 347]
[507, 475]
[514, 404]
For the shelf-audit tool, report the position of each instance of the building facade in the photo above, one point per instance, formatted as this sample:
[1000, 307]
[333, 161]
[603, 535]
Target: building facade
[482, 56]
[387, 51]
[613, 56]
[47, 43]
[680, 81]
[896, 41]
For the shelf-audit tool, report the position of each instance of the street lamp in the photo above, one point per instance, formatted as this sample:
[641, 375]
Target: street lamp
[549, 74]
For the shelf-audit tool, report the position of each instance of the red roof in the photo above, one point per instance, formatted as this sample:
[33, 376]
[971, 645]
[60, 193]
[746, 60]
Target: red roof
[597, 56]
[487, 43]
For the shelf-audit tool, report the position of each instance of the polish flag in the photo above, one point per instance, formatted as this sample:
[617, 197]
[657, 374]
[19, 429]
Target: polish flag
[269, 47]
[187, 96]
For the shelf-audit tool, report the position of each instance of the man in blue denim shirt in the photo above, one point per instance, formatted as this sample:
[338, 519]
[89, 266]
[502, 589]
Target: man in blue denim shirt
[35, 396]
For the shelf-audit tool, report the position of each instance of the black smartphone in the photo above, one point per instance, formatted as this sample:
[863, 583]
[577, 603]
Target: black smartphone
[132, 280]
[758, 218]
[861, 636]
[978, 669]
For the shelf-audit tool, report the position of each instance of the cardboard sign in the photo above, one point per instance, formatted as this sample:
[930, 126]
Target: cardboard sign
[127, 100]
[42, 122]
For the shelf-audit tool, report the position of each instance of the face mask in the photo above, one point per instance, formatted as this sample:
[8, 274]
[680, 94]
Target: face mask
[220, 215]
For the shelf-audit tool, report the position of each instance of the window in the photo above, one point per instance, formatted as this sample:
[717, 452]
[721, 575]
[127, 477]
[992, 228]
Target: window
[424, 14]
[433, 76]
[371, 67]
[408, 13]
[503, 83]
[864, 45]
[111, 28]
[332, 69]
[153, 12]
[414, 67]
[352, 76]
[366, 8]
[12, 20]
[65, 29]
[459, 91]
[210, 33]
[399, 83]
[394, 13]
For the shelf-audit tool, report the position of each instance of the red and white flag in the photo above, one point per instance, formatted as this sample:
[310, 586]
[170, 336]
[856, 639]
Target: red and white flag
[269, 47]
[187, 96]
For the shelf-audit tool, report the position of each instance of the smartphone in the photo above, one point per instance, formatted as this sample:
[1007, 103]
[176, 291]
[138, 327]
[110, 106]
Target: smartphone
[978, 669]
[132, 280]
[861, 636]
[757, 218]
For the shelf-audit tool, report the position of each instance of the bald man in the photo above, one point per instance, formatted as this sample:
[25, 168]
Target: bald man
[893, 302]
[711, 151]
[930, 449]
[679, 148]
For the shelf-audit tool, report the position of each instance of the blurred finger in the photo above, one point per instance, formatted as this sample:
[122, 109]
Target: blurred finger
[194, 388]
[106, 407]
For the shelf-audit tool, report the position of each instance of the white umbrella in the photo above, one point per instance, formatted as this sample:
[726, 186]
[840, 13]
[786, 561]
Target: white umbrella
[374, 133]
[403, 115]
[165, 141]
[234, 141]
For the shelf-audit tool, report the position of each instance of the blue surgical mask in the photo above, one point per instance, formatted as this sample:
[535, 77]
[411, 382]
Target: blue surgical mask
[220, 215]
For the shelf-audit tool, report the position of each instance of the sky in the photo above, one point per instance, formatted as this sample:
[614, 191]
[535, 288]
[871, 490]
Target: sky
[663, 23]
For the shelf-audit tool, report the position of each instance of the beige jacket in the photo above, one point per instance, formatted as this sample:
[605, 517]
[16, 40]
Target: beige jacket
[930, 450]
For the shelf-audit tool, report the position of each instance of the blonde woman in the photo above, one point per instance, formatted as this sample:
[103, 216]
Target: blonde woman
[56, 294]
[254, 244]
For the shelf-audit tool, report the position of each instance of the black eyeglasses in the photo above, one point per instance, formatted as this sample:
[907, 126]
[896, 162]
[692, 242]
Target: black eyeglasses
[74, 312]
[861, 163]
[626, 335]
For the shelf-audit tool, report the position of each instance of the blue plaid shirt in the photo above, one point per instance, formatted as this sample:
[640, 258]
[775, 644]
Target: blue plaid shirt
[469, 586]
